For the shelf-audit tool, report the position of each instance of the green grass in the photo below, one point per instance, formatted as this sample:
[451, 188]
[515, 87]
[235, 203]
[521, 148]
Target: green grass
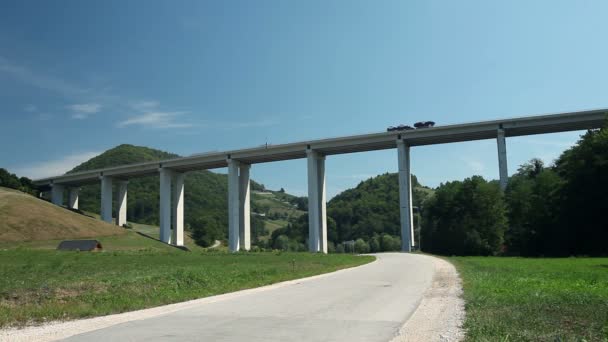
[42, 285]
[519, 299]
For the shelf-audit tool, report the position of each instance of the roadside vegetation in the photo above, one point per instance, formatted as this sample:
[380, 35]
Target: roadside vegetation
[556, 210]
[535, 299]
[39, 285]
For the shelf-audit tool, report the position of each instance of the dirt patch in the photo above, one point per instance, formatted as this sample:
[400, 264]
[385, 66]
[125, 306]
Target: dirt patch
[38, 296]
[440, 315]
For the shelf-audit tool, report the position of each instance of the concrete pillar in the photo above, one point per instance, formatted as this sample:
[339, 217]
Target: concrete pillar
[502, 158]
[317, 213]
[405, 197]
[177, 211]
[244, 207]
[233, 206]
[165, 205]
[73, 199]
[57, 194]
[106, 199]
[121, 212]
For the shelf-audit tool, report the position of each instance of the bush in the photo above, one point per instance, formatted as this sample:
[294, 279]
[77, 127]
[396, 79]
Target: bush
[281, 243]
[339, 248]
[331, 248]
[205, 230]
[361, 246]
[389, 243]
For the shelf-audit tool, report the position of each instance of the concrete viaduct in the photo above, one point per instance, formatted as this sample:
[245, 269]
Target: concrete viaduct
[172, 173]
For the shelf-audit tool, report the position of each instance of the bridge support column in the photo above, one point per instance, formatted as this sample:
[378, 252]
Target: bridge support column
[106, 199]
[502, 158]
[73, 199]
[234, 202]
[177, 211]
[317, 214]
[121, 215]
[405, 197]
[165, 205]
[57, 194]
[244, 207]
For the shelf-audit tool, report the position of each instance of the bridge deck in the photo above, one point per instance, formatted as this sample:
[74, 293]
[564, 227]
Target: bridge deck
[551, 123]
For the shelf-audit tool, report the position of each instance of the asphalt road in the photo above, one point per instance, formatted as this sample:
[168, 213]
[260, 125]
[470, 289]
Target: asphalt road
[367, 303]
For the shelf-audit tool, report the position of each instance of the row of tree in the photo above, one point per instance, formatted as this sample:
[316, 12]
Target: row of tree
[12, 181]
[549, 211]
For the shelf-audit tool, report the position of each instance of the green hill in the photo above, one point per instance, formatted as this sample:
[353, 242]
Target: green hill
[369, 212]
[206, 203]
[372, 208]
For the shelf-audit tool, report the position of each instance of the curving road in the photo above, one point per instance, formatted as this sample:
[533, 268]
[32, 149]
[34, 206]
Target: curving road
[367, 303]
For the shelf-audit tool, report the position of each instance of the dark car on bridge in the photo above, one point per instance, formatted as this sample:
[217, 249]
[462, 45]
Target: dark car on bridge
[399, 128]
[424, 124]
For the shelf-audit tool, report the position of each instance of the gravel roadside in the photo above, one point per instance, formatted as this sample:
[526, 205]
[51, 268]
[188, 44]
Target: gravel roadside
[440, 315]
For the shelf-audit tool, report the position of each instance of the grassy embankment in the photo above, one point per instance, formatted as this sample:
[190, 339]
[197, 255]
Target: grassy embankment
[520, 299]
[41, 285]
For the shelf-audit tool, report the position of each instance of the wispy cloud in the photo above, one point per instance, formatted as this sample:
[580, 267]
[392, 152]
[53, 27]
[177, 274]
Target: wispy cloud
[53, 167]
[27, 76]
[84, 110]
[155, 119]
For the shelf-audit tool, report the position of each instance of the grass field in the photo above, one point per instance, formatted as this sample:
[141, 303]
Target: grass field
[42, 285]
[519, 299]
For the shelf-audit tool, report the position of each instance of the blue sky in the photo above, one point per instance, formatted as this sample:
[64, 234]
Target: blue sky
[80, 77]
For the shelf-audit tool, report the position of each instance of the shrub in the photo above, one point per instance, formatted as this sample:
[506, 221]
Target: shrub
[361, 246]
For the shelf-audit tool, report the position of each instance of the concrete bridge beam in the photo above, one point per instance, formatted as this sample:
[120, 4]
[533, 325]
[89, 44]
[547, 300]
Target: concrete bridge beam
[177, 211]
[57, 194]
[317, 213]
[502, 158]
[171, 207]
[121, 214]
[106, 199]
[244, 207]
[233, 206]
[239, 218]
[165, 205]
[405, 196]
[73, 198]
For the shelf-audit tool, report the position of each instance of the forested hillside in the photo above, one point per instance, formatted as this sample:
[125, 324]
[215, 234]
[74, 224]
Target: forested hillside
[368, 213]
[205, 201]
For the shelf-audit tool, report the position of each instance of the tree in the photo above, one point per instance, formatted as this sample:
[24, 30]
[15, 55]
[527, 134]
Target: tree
[374, 244]
[465, 218]
[532, 197]
[584, 171]
[205, 230]
[281, 243]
